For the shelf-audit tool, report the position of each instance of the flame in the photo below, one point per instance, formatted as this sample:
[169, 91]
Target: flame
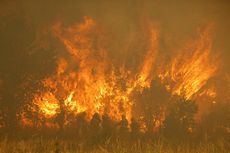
[86, 80]
[48, 104]
[73, 105]
[191, 68]
[145, 75]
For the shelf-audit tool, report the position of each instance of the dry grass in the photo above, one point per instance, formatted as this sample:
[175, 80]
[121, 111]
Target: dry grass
[60, 146]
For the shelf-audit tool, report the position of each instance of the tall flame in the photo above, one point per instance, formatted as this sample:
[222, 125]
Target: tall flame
[86, 80]
[190, 70]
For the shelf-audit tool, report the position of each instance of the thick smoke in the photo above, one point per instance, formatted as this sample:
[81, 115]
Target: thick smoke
[29, 50]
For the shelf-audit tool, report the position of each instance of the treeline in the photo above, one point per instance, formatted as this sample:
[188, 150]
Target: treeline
[178, 126]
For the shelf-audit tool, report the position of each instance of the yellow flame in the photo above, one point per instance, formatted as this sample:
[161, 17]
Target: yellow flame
[86, 80]
[190, 70]
[48, 104]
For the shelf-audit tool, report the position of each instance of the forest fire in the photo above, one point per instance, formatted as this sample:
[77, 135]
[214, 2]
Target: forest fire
[87, 81]
[114, 76]
[188, 72]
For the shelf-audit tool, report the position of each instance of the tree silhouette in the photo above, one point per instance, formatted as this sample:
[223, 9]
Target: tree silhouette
[180, 119]
[81, 127]
[61, 117]
[123, 127]
[107, 127]
[151, 101]
[216, 123]
[135, 129]
[95, 129]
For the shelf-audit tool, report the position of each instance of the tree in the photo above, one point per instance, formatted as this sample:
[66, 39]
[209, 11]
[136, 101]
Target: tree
[135, 129]
[95, 129]
[82, 126]
[60, 118]
[123, 125]
[107, 126]
[152, 101]
[216, 123]
[180, 119]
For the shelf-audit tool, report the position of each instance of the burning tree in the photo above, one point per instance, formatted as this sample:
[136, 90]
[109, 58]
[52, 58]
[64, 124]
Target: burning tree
[87, 81]
[179, 121]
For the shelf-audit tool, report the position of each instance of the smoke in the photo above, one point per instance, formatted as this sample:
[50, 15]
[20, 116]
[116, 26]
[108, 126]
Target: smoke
[29, 50]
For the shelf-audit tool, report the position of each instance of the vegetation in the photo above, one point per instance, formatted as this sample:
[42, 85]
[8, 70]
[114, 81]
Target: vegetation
[40, 145]
[178, 133]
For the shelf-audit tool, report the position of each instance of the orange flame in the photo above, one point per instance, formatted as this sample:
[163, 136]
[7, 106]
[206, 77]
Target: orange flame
[190, 70]
[86, 81]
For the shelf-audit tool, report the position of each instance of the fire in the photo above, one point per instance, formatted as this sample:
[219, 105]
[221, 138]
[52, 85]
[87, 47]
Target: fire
[86, 80]
[189, 71]
[48, 104]
[73, 105]
[145, 76]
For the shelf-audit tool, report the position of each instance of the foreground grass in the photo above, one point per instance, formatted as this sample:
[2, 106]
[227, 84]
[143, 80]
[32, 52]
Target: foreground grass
[39, 145]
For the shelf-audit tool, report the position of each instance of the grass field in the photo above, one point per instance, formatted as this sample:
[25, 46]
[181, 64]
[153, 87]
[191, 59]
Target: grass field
[39, 145]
